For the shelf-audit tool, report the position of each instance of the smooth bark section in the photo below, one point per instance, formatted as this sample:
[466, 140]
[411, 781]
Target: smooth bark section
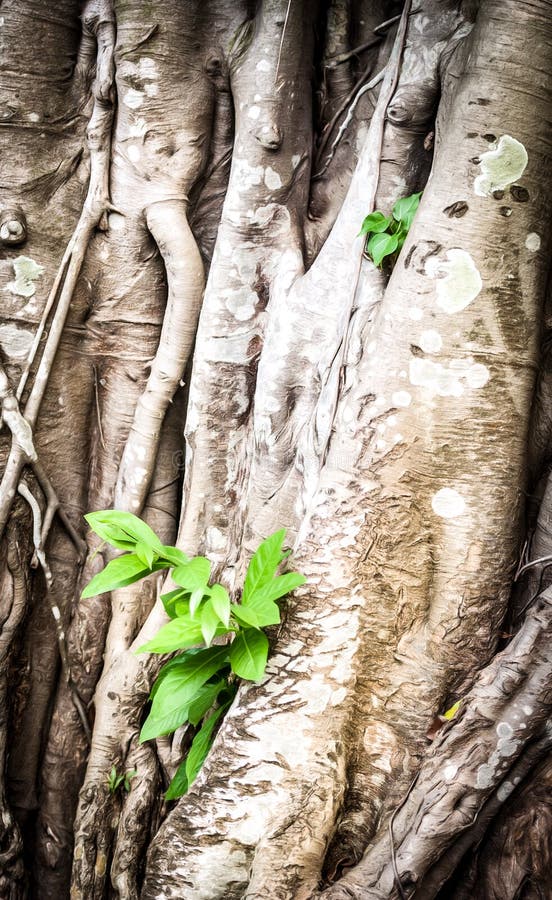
[258, 246]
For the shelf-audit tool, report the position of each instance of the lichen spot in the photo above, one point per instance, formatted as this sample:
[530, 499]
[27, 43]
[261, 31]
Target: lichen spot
[448, 503]
[401, 398]
[272, 179]
[533, 241]
[458, 280]
[116, 221]
[26, 272]
[501, 166]
[430, 341]
[215, 538]
[484, 777]
[254, 112]
[263, 65]
[449, 772]
[133, 99]
[504, 791]
[504, 730]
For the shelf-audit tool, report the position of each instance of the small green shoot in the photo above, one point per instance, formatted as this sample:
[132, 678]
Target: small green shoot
[385, 235]
[116, 780]
[197, 686]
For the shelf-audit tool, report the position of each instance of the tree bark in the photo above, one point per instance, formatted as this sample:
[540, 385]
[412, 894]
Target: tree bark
[184, 186]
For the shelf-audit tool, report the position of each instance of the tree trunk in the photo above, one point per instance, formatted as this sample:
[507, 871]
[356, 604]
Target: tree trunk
[181, 196]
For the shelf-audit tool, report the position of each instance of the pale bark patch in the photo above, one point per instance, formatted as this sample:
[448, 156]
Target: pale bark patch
[459, 281]
[501, 166]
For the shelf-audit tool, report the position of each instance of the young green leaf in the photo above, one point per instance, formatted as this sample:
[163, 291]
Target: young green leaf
[201, 744]
[264, 563]
[375, 222]
[275, 589]
[146, 554]
[221, 603]
[122, 529]
[171, 664]
[174, 556]
[194, 575]
[179, 785]
[209, 621]
[128, 779]
[260, 615]
[181, 683]
[114, 780]
[155, 726]
[258, 608]
[176, 603]
[118, 573]
[248, 617]
[177, 635]
[195, 599]
[248, 654]
[204, 700]
[404, 209]
[381, 245]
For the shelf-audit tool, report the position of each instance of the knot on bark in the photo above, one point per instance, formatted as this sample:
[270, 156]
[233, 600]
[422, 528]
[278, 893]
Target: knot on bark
[13, 227]
[270, 137]
[213, 65]
[411, 105]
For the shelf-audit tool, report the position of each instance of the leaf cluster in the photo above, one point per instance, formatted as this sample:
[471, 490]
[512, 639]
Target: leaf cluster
[385, 235]
[196, 686]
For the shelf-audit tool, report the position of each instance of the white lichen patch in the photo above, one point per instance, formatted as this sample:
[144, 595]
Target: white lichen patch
[430, 341]
[263, 65]
[254, 112]
[133, 99]
[415, 313]
[533, 241]
[401, 398]
[272, 179]
[134, 153]
[501, 166]
[241, 303]
[246, 175]
[449, 772]
[215, 539]
[484, 777]
[448, 503]
[449, 380]
[15, 342]
[26, 272]
[504, 791]
[151, 89]
[504, 730]
[458, 280]
[116, 221]
[138, 129]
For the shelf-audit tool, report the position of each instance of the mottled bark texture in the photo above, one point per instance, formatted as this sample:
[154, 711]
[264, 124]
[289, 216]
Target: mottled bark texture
[191, 331]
